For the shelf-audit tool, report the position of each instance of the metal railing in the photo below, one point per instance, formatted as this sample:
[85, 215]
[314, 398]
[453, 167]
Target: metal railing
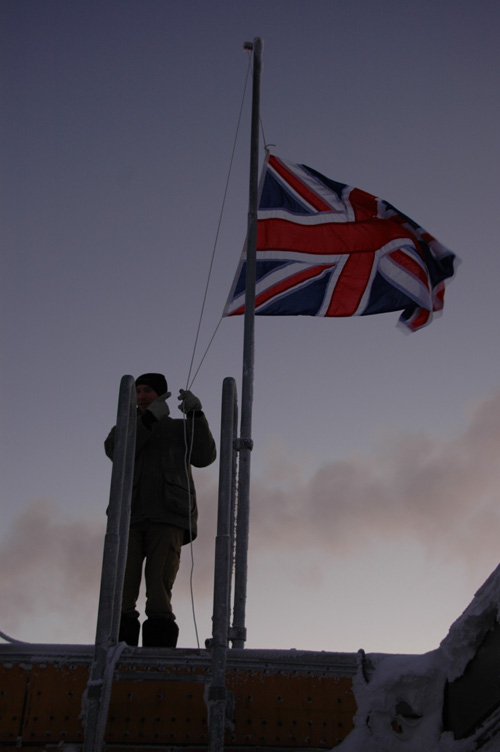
[224, 545]
[96, 703]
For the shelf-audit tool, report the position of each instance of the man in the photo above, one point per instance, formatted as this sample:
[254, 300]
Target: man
[164, 513]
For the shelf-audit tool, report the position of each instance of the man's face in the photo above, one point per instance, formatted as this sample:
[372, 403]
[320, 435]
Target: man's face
[144, 396]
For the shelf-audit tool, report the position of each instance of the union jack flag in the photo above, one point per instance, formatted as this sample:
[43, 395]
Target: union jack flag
[327, 249]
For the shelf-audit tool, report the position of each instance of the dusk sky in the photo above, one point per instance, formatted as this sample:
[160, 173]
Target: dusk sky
[375, 497]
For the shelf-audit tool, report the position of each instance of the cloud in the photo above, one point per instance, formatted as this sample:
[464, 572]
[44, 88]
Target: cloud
[50, 573]
[442, 492]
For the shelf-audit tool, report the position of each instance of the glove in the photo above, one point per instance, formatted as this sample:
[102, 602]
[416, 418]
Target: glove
[159, 407]
[188, 401]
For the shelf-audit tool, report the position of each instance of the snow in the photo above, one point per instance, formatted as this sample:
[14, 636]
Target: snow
[400, 697]
[467, 633]
[400, 706]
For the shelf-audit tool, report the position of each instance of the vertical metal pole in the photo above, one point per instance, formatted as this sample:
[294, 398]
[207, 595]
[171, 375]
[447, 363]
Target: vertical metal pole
[115, 544]
[125, 502]
[246, 443]
[120, 495]
[217, 693]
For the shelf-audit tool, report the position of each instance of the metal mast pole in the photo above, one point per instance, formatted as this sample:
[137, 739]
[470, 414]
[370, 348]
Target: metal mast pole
[241, 559]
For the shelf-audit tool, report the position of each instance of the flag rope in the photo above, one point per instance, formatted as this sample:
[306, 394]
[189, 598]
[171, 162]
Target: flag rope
[188, 383]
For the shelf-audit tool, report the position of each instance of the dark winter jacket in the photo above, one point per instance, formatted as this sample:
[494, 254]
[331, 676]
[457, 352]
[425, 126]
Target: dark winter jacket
[162, 473]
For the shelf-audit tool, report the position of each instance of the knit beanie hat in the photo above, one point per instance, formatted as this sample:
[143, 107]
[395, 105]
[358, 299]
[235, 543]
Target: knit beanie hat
[156, 381]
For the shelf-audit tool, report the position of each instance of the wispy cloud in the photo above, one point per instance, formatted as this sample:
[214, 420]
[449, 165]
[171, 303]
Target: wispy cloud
[50, 574]
[443, 492]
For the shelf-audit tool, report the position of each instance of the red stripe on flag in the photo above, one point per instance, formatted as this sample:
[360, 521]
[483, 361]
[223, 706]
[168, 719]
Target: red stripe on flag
[327, 238]
[403, 259]
[363, 204]
[351, 285]
[420, 319]
[311, 197]
[439, 298]
[238, 311]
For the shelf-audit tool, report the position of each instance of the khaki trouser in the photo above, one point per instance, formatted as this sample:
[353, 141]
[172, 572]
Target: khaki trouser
[160, 545]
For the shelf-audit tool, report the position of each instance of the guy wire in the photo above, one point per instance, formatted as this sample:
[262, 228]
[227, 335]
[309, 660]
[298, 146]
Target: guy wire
[266, 149]
[217, 238]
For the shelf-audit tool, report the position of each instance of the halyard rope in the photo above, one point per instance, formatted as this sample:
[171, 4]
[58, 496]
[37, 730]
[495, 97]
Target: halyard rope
[217, 237]
[189, 382]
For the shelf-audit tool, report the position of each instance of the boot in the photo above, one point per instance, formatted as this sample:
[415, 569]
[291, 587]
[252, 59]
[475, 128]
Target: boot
[129, 630]
[159, 633]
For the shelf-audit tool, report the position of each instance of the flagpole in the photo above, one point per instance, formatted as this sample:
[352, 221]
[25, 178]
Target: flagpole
[246, 443]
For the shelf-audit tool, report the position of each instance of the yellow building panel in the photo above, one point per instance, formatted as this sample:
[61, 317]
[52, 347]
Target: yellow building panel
[276, 709]
[53, 704]
[169, 712]
[290, 709]
[41, 703]
[13, 682]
